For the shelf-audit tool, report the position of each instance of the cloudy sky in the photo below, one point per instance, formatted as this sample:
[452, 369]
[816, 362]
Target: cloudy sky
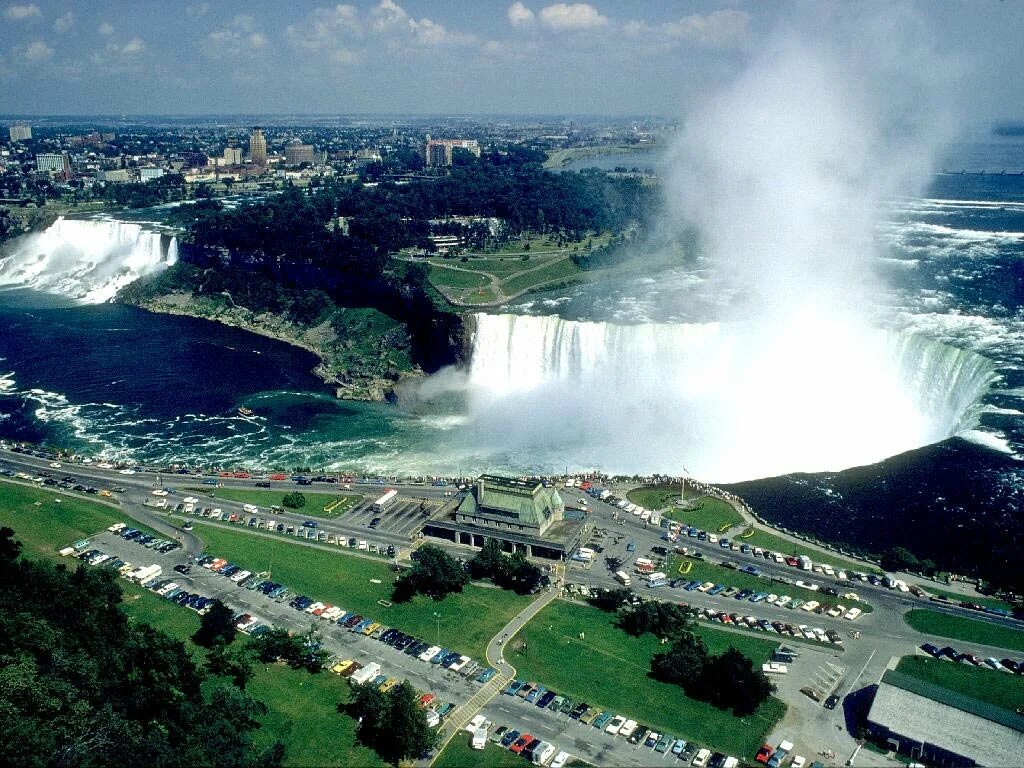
[442, 56]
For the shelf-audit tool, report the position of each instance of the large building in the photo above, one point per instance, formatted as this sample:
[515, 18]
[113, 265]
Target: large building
[524, 515]
[20, 132]
[55, 164]
[257, 147]
[233, 156]
[438, 152]
[940, 727]
[297, 153]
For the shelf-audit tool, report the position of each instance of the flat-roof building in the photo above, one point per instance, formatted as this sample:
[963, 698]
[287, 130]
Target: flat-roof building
[438, 152]
[942, 727]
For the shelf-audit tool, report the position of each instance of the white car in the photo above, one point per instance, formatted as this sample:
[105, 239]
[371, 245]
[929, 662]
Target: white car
[627, 728]
[701, 759]
[126, 471]
[798, 761]
[159, 492]
[615, 725]
[560, 759]
[55, 464]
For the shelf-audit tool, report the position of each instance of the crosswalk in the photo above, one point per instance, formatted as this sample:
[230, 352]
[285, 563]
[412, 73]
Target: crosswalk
[457, 720]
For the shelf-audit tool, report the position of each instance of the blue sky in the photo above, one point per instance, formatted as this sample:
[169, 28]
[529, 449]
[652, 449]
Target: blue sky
[410, 56]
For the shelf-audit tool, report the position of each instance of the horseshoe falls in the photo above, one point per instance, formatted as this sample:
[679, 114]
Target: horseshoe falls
[87, 260]
[728, 402]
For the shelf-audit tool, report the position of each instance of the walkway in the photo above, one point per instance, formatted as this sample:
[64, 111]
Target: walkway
[457, 720]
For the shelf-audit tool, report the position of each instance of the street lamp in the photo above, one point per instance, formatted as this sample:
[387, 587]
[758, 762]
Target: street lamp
[438, 617]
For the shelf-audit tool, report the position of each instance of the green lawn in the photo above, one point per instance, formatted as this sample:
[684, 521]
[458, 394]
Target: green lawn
[450, 277]
[459, 754]
[46, 520]
[315, 502]
[784, 546]
[655, 496]
[608, 669]
[989, 685]
[712, 515]
[558, 270]
[959, 628]
[467, 621]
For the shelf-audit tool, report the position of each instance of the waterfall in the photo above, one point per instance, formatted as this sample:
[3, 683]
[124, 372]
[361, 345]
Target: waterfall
[87, 260]
[728, 401]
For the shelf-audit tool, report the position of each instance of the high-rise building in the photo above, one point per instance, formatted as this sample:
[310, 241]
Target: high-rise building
[297, 153]
[257, 147]
[54, 163]
[438, 152]
[20, 132]
[233, 155]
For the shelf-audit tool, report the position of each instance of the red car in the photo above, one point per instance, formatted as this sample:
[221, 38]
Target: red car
[792, 562]
[519, 744]
[425, 699]
[764, 754]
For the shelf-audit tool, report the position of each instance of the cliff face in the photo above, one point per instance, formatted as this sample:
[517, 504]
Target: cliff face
[363, 354]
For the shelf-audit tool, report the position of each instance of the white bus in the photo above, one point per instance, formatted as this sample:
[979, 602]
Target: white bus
[385, 501]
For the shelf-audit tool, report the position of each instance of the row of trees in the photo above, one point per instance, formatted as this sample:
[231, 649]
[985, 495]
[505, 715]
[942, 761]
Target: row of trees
[437, 574]
[512, 572]
[727, 680]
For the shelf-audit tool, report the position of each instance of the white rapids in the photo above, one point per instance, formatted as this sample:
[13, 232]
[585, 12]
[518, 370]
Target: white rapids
[87, 260]
[728, 402]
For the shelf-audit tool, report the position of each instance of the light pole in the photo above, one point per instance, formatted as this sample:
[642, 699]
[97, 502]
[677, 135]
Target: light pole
[682, 490]
[438, 637]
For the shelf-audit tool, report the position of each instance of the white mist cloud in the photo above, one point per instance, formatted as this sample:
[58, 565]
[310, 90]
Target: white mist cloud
[36, 51]
[63, 23]
[519, 15]
[106, 29]
[22, 12]
[784, 171]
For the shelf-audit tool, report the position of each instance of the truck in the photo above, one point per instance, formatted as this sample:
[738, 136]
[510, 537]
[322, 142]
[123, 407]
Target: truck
[805, 562]
[584, 555]
[390, 497]
[623, 578]
[543, 752]
[643, 565]
[366, 674]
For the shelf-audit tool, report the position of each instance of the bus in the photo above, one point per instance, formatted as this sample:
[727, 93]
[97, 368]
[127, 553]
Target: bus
[385, 501]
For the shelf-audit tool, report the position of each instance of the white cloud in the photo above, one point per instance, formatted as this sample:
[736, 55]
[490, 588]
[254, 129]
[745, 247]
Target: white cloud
[106, 29]
[519, 15]
[427, 32]
[22, 12]
[240, 36]
[718, 29]
[198, 10]
[133, 47]
[63, 23]
[37, 51]
[388, 15]
[572, 16]
[323, 28]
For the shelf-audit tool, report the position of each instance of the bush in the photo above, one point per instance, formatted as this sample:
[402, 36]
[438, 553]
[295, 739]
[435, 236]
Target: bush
[294, 500]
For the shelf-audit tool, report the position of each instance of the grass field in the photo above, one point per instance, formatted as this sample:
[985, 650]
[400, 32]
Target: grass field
[609, 669]
[46, 525]
[467, 621]
[459, 754]
[558, 270]
[450, 277]
[302, 708]
[989, 685]
[712, 515]
[315, 502]
[959, 628]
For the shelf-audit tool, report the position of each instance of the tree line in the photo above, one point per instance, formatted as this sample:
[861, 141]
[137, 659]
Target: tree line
[437, 574]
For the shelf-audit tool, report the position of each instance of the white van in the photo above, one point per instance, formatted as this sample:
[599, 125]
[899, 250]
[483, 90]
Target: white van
[479, 738]
[701, 759]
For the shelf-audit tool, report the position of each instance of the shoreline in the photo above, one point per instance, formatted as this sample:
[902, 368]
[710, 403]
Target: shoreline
[365, 389]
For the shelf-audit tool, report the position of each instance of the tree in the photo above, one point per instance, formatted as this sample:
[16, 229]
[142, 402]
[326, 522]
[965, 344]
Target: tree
[216, 626]
[230, 663]
[658, 618]
[294, 500]
[393, 724]
[488, 561]
[611, 600]
[683, 663]
[81, 685]
[730, 682]
[435, 573]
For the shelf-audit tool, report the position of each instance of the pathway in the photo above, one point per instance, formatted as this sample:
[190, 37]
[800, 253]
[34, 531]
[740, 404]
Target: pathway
[457, 720]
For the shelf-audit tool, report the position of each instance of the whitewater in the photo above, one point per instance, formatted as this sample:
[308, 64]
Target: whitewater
[87, 260]
[726, 401]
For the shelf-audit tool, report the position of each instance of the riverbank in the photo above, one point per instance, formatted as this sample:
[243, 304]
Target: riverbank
[367, 363]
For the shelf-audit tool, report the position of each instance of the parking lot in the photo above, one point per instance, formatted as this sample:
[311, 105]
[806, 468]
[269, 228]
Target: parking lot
[403, 517]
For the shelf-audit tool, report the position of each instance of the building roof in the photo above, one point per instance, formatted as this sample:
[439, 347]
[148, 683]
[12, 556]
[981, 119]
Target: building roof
[928, 713]
[527, 500]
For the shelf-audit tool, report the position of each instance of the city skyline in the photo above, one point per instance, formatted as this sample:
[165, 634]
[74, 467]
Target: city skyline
[414, 57]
